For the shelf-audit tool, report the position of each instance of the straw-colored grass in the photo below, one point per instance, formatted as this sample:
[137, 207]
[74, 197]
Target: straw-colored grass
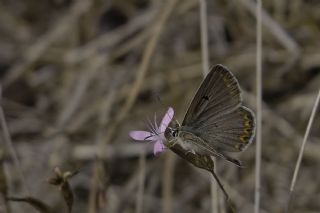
[76, 76]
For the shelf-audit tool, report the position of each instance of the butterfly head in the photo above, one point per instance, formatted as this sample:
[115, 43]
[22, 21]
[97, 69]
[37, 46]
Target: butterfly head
[171, 133]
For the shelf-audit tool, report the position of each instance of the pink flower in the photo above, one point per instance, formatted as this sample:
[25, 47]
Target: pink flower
[156, 135]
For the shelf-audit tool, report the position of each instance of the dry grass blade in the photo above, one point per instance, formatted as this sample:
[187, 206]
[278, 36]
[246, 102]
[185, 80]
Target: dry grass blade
[34, 202]
[229, 201]
[259, 109]
[10, 147]
[3, 181]
[142, 176]
[167, 182]
[304, 142]
[214, 192]
[205, 71]
[204, 37]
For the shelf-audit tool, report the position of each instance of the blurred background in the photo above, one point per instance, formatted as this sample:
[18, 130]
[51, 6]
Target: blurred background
[77, 75]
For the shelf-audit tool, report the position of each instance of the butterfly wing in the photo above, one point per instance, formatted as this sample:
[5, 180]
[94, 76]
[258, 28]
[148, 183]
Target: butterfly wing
[216, 113]
[218, 94]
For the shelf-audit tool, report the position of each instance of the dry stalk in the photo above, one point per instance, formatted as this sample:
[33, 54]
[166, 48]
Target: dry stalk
[259, 109]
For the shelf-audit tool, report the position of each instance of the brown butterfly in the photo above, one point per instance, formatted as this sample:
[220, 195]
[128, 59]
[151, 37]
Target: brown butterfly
[215, 123]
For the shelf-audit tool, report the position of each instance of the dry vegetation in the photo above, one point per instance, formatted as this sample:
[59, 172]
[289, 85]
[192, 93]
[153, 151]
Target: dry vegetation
[76, 76]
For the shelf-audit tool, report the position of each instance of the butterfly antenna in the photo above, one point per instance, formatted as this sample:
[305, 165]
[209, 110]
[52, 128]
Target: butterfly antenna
[155, 121]
[161, 103]
[150, 126]
[229, 201]
[158, 98]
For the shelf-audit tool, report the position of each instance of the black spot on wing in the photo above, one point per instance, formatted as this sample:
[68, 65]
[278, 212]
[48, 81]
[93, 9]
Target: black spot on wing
[206, 98]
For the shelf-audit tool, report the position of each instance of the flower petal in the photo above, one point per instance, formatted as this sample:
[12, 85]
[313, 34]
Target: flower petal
[166, 119]
[158, 147]
[141, 135]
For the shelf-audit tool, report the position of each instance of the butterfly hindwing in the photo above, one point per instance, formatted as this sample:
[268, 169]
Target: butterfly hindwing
[231, 132]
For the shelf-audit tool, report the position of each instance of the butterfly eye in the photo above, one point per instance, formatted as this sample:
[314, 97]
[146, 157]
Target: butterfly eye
[174, 132]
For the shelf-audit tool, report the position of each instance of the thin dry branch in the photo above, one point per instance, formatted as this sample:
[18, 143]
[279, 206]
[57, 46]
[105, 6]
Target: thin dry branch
[304, 142]
[10, 147]
[167, 183]
[259, 109]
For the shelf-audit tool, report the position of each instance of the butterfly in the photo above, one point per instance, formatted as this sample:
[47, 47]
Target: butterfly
[216, 123]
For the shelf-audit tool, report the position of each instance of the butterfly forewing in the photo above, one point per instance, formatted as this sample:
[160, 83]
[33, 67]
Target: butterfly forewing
[218, 94]
[216, 115]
